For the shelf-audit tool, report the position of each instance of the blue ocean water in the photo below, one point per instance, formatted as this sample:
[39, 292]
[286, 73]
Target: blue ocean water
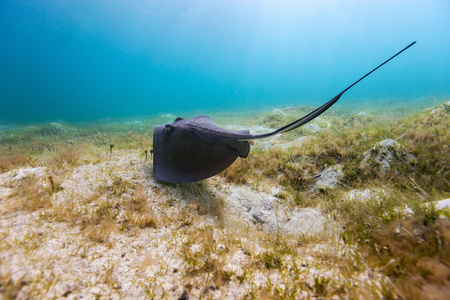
[75, 60]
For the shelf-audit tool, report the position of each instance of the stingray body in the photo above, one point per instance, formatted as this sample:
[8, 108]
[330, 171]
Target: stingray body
[195, 149]
[189, 150]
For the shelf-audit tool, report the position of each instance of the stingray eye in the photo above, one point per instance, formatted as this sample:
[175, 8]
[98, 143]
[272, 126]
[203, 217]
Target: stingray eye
[168, 128]
[179, 119]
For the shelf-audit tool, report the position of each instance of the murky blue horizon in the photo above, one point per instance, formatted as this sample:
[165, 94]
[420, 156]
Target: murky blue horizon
[87, 60]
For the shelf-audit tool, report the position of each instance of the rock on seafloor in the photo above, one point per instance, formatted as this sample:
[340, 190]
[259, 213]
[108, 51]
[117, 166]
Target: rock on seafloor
[329, 178]
[263, 210]
[387, 153]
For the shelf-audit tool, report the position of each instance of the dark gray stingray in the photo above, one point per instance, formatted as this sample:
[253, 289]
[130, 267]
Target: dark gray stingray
[196, 149]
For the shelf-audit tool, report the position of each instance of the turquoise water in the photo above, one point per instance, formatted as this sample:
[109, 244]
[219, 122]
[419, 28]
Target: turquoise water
[76, 60]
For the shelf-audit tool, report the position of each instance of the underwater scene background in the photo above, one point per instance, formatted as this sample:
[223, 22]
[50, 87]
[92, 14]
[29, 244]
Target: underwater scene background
[353, 205]
[71, 61]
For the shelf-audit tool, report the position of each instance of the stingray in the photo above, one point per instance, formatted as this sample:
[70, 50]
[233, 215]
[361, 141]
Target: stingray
[189, 150]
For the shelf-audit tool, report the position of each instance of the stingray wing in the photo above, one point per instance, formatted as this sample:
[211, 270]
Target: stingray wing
[193, 150]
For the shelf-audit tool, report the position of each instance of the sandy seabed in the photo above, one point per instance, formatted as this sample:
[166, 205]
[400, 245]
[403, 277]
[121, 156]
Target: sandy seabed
[105, 228]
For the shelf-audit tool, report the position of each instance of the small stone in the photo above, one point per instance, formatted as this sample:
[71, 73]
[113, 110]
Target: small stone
[329, 178]
[442, 204]
[278, 112]
[364, 195]
[314, 128]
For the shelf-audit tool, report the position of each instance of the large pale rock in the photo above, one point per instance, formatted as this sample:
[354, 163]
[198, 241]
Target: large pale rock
[263, 210]
[387, 153]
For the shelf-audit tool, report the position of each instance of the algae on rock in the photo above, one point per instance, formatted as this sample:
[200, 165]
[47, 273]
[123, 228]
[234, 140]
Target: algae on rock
[388, 155]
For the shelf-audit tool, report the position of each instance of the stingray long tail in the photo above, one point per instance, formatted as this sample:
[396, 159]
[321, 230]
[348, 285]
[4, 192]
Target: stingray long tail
[317, 112]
